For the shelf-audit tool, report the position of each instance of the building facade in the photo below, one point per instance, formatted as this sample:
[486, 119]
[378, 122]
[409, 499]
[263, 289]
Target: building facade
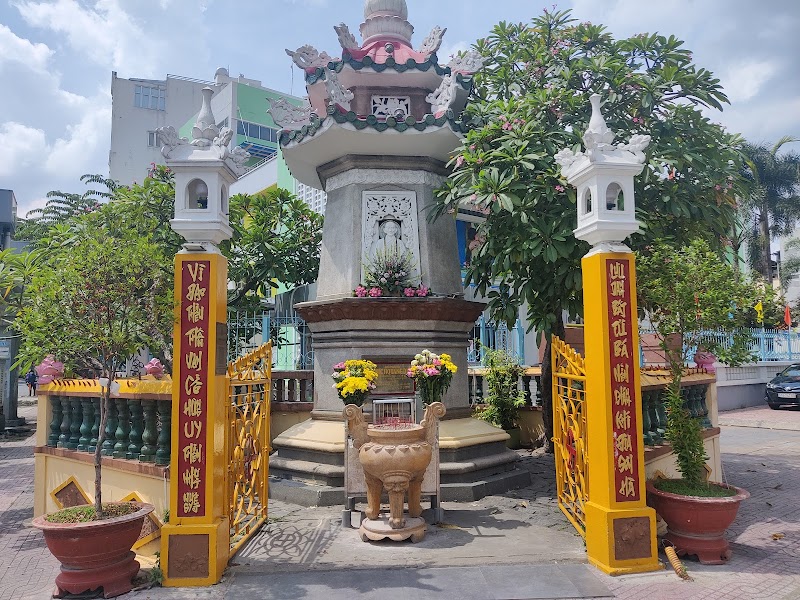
[141, 106]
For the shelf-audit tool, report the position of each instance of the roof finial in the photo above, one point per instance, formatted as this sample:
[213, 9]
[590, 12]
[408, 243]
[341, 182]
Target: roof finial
[386, 20]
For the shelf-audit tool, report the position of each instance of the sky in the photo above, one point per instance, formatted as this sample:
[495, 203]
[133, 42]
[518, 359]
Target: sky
[56, 59]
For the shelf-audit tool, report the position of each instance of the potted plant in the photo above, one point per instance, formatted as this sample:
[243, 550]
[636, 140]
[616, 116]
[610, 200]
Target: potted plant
[504, 398]
[432, 374]
[688, 292]
[354, 380]
[92, 306]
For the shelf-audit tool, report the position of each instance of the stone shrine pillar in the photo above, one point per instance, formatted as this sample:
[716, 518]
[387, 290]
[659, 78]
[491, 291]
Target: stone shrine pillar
[620, 527]
[378, 130]
[195, 544]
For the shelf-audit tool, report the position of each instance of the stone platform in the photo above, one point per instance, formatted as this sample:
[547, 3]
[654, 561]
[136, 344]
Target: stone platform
[308, 467]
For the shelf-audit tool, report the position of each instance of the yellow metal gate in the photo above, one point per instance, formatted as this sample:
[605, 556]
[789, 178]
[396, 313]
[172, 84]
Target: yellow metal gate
[249, 384]
[569, 432]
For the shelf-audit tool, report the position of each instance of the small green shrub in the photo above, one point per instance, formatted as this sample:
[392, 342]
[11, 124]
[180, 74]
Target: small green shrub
[503, 398]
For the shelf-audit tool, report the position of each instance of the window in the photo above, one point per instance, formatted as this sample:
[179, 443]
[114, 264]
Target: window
[316, 199]
[152, 139]
[256, 131]
[153, 98]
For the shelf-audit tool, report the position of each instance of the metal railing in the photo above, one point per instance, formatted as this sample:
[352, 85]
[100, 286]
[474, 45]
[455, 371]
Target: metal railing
[765, 344]
[290, 336]
[488, 335]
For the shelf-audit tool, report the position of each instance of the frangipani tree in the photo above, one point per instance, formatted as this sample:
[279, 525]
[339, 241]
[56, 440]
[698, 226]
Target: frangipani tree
[531, 100]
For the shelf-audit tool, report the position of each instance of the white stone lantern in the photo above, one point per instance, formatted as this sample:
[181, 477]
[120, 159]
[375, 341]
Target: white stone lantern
[204, 168]
[603, 176]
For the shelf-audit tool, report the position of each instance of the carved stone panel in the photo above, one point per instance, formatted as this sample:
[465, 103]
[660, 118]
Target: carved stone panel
[398, 107]
[632, 538]
[390, 224]
[188, 556]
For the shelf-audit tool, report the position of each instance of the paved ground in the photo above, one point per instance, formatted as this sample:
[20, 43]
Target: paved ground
[512, 546]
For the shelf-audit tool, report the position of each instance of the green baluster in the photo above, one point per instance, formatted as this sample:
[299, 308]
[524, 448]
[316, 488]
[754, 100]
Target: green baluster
[647, 398]
[75, 420]
[479, 389]
[96, 425]
[538, 381]
[661, 412]
[137, 426]
[55, 421]
[111, 429]
[66, 410]
[123, 428]
[150, 433]
[703, 406]
[526, 387]
[694, 402]
[652, 411]
[687, 405]
[163, 450]
[87, 411]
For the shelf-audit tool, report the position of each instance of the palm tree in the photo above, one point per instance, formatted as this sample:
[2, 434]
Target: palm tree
[773, 197]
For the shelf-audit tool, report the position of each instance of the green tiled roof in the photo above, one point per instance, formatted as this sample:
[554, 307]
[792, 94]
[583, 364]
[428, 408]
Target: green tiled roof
[432, 62]
[372, 122]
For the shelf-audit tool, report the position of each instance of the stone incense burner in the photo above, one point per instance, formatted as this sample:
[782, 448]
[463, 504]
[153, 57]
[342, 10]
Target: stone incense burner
[395, 460]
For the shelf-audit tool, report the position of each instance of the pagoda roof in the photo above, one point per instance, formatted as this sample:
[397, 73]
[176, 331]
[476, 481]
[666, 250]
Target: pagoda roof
[397, 62]
[442, 135]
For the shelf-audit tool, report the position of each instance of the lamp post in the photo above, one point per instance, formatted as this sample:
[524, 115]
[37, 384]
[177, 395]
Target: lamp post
[620, 527]
[195, 543]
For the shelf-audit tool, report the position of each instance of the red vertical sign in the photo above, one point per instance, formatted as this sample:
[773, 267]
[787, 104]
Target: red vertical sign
[623, 392]
[192, 367]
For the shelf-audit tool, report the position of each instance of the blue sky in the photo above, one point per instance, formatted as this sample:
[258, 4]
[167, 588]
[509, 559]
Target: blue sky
[56, 58]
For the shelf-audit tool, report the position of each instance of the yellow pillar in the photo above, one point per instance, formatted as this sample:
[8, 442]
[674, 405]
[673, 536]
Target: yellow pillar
[196, 541]
[620, 528]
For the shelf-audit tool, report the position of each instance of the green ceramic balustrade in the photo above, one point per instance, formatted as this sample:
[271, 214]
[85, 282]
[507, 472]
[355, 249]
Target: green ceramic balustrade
[87, 413]
[163, 444]
[123, 428]
[75, 420]
[111, 429]
[137, 428]
[55, 421]
[147, 452]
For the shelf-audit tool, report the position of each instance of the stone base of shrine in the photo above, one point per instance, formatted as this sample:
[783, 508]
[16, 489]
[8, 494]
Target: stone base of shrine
[308, 465]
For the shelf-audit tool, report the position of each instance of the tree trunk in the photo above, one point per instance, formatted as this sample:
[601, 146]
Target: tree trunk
[763, 230]
[98, 457]
[546, 439]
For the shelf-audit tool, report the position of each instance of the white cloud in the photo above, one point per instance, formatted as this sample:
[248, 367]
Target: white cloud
[72, 155]
[20, 147]
[744, 80]
[20, 50]
[105, 34]
[449, 50]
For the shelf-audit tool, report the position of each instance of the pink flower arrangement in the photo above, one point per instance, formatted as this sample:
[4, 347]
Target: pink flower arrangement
[375, 292]
[423, 291]
[361, 291]
[409, 292]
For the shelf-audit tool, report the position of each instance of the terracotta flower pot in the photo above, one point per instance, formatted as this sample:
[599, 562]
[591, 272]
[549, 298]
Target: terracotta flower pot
[697, 525]
[95, 554]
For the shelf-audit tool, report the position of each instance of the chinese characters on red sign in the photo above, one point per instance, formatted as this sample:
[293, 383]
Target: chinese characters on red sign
[193, 397]
[623, 394]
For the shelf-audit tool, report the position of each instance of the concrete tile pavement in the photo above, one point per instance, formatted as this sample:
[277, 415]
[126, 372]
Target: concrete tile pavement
[301, 548]
[27, 569]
